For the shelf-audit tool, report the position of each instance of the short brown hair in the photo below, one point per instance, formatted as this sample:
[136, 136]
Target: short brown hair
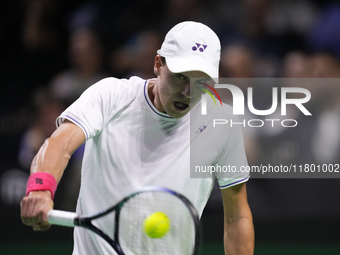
[163, 61]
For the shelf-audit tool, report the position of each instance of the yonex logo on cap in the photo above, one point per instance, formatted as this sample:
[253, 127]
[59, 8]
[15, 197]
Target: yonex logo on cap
[200, 47]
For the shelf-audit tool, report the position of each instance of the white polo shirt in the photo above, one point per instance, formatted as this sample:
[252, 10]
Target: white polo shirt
[130, 144]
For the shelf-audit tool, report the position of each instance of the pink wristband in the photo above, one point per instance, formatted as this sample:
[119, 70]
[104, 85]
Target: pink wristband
[41, 181]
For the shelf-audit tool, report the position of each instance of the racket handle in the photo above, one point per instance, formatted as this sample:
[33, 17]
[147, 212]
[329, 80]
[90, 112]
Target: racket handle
[61, 218]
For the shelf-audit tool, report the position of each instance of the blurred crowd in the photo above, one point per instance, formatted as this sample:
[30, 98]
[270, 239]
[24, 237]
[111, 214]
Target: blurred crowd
[51, 51]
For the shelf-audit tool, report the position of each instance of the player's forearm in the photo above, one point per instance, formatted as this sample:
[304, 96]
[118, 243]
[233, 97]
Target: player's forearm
[52, 158]
[56, 151]
[239, 236]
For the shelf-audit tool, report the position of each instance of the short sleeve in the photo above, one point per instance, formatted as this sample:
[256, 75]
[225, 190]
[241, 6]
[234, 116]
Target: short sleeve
[233, 157]
[94, 108]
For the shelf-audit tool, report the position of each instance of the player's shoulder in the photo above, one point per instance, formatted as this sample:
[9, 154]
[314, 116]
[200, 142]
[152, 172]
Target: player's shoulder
[125, 87]
[126, 83]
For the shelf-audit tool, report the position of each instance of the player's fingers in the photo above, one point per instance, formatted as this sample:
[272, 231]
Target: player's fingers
[41, 211]
[31, 213]
[41, 226]
[23, 211]
[27, 207]
[34, 210]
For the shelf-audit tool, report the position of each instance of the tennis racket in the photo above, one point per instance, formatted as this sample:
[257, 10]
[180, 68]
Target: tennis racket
[127, 236]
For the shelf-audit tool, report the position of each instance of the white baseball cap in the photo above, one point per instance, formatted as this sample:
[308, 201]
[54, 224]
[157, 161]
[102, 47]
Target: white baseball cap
[192, 46]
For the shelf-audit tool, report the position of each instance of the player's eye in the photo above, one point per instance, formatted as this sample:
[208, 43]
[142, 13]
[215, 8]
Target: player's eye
[204, 81]
[181, 77]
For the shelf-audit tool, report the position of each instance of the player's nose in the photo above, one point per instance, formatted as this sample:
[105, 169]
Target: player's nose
[187, 92]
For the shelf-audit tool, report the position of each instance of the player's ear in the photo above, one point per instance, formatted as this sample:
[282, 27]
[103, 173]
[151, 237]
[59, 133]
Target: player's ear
[158, 64]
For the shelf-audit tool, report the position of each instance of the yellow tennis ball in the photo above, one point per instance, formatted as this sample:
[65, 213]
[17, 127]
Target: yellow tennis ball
[156, 225]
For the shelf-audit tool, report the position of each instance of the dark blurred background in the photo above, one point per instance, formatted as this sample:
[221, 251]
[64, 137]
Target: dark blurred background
[51, 51]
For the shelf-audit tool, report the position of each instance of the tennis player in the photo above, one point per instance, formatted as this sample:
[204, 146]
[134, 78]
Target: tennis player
[137, 134]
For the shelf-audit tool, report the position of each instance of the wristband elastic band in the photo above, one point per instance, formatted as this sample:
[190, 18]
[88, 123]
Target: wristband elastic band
[41, 181]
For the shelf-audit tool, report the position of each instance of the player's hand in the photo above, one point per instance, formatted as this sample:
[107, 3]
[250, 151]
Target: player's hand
[34, 209]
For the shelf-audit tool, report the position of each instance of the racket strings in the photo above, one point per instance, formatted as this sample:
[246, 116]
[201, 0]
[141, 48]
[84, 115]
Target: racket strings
[179, 240]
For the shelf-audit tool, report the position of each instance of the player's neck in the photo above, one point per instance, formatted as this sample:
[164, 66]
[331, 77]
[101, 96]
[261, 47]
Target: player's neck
[153, 95]
[151, 90]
